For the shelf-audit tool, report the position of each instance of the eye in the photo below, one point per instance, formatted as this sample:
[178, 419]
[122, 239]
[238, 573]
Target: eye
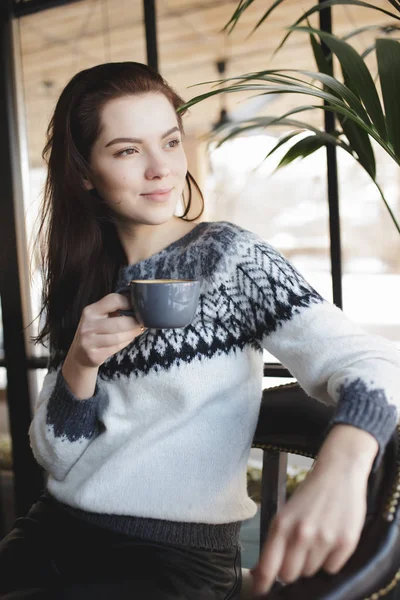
[127, 152]
[173, 143]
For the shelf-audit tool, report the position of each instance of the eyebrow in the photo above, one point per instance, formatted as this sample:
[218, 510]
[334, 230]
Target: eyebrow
[137, 140]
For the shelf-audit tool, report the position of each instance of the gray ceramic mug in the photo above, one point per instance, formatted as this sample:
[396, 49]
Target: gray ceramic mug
[164, 303]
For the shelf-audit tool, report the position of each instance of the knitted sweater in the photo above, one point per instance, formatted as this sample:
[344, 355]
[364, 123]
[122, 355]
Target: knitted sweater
[161, 449]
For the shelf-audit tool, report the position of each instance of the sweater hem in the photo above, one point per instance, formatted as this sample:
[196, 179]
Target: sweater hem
[210, 536]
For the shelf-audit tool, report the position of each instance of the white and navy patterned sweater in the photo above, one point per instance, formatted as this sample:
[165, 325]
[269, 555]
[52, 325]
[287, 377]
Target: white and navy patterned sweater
[160, 451]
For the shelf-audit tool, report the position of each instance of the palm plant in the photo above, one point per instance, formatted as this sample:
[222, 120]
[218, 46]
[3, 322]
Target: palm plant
[363, 109]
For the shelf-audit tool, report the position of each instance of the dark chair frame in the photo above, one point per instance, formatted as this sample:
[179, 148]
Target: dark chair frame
[292, 422]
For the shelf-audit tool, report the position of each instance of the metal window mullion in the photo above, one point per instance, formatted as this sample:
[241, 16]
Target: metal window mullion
[150, 22]
[28, 480]
[325, 22]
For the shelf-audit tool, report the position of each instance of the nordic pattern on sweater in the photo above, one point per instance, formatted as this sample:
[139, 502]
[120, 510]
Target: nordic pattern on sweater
[262, 291]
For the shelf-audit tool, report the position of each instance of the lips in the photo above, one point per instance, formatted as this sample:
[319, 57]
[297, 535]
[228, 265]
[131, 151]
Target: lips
[157, 191]
[159, 195]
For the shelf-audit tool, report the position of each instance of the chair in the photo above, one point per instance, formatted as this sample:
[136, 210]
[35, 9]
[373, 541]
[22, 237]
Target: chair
[291, 421]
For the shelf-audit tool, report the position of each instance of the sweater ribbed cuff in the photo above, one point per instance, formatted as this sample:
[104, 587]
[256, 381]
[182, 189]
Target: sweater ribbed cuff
[368, 410]
[70, 416]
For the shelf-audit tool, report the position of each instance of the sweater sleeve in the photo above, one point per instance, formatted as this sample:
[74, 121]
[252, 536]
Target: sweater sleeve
[332, 358]
[63, 426]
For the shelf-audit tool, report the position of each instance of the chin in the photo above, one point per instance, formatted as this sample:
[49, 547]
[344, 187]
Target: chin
[158, 215]
[151, 219]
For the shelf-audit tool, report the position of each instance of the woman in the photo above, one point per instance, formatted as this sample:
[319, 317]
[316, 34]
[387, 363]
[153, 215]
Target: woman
[145, 435]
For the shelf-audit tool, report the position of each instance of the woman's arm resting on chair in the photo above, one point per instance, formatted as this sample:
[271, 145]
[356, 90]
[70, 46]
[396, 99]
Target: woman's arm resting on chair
[334, 360]
[321, 524]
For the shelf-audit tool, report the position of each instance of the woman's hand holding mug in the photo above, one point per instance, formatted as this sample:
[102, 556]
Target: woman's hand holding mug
[101, 333]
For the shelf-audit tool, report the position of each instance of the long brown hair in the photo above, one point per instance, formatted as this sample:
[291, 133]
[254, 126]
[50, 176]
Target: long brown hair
[80, 251]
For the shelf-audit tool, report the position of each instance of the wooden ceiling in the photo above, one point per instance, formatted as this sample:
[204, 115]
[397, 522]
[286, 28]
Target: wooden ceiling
[57, 43]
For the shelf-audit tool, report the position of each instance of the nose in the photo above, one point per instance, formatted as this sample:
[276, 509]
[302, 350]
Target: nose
[157, 168]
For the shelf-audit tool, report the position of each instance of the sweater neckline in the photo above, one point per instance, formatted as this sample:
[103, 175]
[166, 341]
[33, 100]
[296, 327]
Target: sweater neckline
[192, 233]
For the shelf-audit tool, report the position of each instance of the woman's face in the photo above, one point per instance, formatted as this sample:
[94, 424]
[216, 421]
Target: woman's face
[138, 162]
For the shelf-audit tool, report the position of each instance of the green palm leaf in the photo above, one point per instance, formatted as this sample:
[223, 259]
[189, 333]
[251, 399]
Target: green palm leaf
[324, 65]
[361, 144]
[339, 95]
[258, 123]
[244, 4]
[302, 149]
[356, 74]
[282, 141]
[385, 29]
[395, 3]
[328, 3]
[388, 57]
[282, 83]
[355, 101]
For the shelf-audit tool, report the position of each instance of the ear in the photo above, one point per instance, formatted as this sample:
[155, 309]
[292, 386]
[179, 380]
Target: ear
[88, 185]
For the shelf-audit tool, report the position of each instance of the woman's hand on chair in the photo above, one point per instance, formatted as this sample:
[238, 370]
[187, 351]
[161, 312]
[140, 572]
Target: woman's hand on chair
[320, 526]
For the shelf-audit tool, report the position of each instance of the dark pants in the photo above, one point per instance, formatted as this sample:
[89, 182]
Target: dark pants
[52, 555]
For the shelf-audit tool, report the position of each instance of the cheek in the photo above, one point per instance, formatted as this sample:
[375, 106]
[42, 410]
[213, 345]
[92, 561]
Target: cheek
[115, 177]
[180, 164]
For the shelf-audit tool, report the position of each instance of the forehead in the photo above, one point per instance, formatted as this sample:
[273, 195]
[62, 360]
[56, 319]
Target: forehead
[141, 115]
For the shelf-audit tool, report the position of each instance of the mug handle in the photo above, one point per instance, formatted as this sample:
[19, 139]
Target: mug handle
[125, 313]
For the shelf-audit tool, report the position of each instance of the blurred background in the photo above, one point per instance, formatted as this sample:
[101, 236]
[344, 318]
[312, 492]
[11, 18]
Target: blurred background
[288, 208]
